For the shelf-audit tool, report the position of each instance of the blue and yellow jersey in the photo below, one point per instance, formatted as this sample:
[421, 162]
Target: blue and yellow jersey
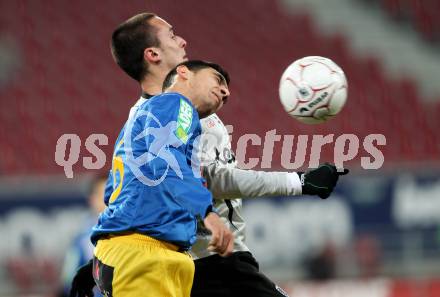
[155, 186]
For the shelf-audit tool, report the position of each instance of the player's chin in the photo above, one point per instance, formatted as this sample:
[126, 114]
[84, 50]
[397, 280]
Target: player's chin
[217, 106]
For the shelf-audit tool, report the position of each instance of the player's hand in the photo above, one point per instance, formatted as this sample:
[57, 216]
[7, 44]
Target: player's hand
[83, 281]
[222, 239]
[320, 181]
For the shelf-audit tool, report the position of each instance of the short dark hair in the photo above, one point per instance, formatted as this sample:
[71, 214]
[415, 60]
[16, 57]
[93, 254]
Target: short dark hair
[194, 66]
[129, 41]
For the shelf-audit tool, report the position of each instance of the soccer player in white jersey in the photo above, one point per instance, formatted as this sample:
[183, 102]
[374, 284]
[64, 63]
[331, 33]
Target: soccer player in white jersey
[237, 275]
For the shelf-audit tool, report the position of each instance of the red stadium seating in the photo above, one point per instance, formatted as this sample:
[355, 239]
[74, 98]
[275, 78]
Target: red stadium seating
[424, 15]
[68, 82]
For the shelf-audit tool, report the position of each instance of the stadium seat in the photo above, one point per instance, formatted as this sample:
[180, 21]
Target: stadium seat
[73, 85]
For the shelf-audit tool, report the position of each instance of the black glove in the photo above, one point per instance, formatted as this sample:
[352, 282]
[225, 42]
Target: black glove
[83, 281]
[320, 181]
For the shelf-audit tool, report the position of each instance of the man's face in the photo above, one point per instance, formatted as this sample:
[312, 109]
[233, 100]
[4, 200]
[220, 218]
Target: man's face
[210, 91]
[172, 47]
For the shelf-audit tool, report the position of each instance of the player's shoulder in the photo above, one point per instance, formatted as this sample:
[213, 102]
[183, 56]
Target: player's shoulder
[212, 121]
[168, 105]
[170, 100]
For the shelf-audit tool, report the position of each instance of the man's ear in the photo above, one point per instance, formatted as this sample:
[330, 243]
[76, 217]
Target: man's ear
[183, 72]
[152, 55]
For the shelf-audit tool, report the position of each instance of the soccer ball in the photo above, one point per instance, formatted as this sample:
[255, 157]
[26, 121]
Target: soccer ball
[313, 89]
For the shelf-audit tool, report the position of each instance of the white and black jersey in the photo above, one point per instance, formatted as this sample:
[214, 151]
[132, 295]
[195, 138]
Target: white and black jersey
[229, 184]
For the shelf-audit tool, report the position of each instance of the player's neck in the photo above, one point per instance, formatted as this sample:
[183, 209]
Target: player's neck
[152, 84]
[181, 89]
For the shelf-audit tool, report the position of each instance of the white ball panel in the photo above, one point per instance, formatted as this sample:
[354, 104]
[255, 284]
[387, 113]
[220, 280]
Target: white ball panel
[337, 101]
[313, 89]
[288, 95]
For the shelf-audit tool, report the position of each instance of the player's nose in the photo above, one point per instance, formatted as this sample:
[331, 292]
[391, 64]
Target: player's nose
[224, 91]
[182, 42]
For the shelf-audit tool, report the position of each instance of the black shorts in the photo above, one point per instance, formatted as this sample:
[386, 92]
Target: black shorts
[237, 275]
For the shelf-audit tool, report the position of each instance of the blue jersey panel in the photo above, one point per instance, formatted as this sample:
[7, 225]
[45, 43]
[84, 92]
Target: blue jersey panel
[155, 187]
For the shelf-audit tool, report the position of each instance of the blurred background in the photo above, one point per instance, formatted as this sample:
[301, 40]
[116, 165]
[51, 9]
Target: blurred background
[377, 236]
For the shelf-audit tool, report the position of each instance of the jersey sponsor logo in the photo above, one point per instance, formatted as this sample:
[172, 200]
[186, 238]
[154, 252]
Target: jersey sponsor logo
[210, 123]
[184, 120]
